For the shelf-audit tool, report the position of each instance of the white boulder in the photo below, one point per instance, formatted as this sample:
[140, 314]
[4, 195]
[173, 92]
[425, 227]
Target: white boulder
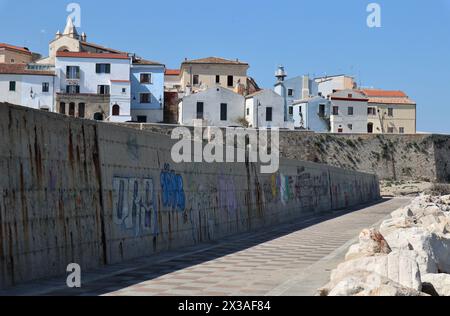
[438, 284]
[371, 242]
[398, 267]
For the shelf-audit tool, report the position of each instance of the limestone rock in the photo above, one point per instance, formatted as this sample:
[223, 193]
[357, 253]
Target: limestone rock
[371, 242]
[438, 284]
[364, 283]
[402, 212]
[445, 200]
[433, 250]
[398, 267]
[390, 225]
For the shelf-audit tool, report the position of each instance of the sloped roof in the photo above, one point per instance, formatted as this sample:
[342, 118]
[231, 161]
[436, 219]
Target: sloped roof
[215, 60]
[387, 96]
[21, 69]
[23, 50]
[99, 47]
[172, 72]
[92, 55]
[146, 62]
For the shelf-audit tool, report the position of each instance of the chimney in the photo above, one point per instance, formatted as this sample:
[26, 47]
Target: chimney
[83, 37]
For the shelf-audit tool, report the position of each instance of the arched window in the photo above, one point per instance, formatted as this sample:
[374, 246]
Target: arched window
[98, 116]
[116, 110]
[72, 109]
[62, 108]
[81, 110]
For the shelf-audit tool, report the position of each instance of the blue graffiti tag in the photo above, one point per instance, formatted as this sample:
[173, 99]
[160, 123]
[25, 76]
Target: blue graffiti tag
[172, 190]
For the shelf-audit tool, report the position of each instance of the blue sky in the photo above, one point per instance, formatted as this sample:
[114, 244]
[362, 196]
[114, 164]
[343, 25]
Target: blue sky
[411, 51]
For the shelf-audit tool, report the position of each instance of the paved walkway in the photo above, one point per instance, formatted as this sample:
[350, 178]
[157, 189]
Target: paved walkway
[292, 259]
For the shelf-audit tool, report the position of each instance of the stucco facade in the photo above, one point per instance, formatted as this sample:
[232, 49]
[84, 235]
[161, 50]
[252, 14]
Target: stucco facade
[312, 114]
[148, 109]
[86, 83]
[330, 84]
[390, 112]
[265, 109]
[201, 74]
[215, 106]
[33, 91]
[349, 112]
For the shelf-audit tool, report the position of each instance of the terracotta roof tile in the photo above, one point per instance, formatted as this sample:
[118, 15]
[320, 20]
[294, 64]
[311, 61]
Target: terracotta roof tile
[172, 72]
[15, 48]
[214, 60]
[92, 55]
[383, 93]
[21, 69]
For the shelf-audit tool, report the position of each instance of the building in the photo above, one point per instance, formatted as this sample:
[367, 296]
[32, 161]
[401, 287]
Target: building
[147, 89]
[313, 114]
[201, 74]
[217, 106]
[21, 84]
[330, 84]
[297, 88]
[93, 85]
[172, 81]
[391, 112]
[10, 54]
[113, 85]
[265, 109]
[349, 110]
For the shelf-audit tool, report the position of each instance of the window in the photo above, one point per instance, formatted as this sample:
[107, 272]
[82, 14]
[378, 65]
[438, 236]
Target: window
[300, 110]
[124, 90]
[13, 60]
[350, 126]
[350, 110]
[290, 92]
[335, 110]
[145, 98]
[371, 111]
[73, 72]
[200, 114]
[230, 81]
[402, 130]
[322, 110]
[146, 78]
[291, 110]
[391, 112]
[12, 86]
[103, 90]
[350, 95]
[223, 112]
[218, 79]
[196, 79]
[116, 110]
[72, 109]
[142, 119]
[340, 130]
[45, 87]
[71, 89]
[103, 68]
[248, 111]
[390, 130]
[98, 116]
[62, 108]
[81, 110]
[269, 114]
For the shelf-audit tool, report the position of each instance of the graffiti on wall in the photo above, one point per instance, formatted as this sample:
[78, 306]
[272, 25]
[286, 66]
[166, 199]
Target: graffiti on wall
[172, 190]
[227, 195]
[134, 205]
[306, 189]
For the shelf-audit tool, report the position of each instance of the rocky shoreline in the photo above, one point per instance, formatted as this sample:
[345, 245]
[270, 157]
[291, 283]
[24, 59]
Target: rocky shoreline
[409, 255]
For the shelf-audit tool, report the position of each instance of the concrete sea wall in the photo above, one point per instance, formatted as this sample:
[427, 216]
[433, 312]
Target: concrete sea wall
[77, 191]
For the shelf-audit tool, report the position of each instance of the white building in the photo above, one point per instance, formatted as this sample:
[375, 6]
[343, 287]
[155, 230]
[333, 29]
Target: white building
[215, 106]
[331, 84]
[312, 114]
[265, 109]
[94, 85]
[349, 110]
[22, 85]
